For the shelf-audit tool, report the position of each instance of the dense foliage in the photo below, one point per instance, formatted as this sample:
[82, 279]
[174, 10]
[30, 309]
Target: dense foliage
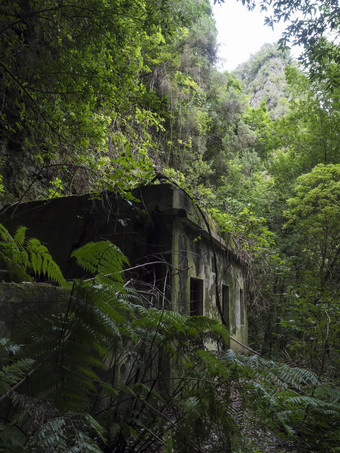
[104, 94]
[95, 375]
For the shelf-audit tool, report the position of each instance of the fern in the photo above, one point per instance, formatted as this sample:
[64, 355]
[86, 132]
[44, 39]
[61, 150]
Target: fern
[101, 258]
[20, 237]
[13, 373]
[70, 432]
[21, 256]
[289, 399]
[14, 369]
[41, 262]
[12, 254]
[190, 407]
[112, 375]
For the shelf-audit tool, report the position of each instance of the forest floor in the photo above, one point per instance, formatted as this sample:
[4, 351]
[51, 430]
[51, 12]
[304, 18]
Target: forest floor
[258, 440]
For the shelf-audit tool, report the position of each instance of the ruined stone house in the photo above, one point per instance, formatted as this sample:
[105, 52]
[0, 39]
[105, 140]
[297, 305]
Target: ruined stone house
[174, 257]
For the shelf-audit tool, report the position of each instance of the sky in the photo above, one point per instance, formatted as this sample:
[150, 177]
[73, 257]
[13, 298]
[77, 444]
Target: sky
[241, 33]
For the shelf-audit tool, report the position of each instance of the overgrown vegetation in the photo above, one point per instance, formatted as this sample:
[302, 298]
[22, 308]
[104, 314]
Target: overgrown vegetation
[105, 373]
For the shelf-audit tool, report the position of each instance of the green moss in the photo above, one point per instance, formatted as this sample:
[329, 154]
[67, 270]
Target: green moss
[19, 301]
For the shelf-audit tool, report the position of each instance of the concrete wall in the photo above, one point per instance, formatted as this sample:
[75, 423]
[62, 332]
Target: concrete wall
[19, 302]
[193, 258]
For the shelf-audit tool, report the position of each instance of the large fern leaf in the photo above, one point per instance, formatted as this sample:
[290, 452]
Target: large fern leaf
[20, 237]
[103, 259]
[20, 256]
[42, 262]
[13, 255]
[11, 374]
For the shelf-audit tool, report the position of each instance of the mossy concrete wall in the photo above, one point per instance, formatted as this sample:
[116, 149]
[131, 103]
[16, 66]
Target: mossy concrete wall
[22, 302]
[164, 227]
[194, 258]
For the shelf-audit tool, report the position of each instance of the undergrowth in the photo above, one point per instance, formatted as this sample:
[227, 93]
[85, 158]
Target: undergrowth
[107, 374]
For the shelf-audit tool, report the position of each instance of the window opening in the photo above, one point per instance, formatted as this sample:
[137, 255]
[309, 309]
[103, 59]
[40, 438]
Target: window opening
[196, 297]
[242, 306]
[213, 265]
[225, 304]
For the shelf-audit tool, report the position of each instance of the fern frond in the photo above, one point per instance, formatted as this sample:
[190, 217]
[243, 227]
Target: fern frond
[65, 432]
[84, 443]
[213, 364]
[50, 436]
[327, 393]
[13, 256]
[208, 327]
[296, 377]
[314, 404]
[94, 426]
[13, 373]
[20, 237]
[191, 406]
[102, 258]
[42, 262]
[5, 236]
[112, 301]
[19, 255]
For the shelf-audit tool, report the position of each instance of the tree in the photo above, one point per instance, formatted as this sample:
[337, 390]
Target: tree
[310, 22]
[70, 88]
[314, 216]
[308, 134]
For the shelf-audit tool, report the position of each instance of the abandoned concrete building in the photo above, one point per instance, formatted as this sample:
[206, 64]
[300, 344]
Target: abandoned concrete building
[174, 257]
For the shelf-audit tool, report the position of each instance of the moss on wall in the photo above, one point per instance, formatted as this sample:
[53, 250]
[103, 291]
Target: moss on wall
[193, 258]
[20, 302]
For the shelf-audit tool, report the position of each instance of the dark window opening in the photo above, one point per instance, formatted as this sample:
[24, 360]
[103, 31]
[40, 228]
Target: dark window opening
[213, 264]
[196, 297]
[225, 304]
[241, 307]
